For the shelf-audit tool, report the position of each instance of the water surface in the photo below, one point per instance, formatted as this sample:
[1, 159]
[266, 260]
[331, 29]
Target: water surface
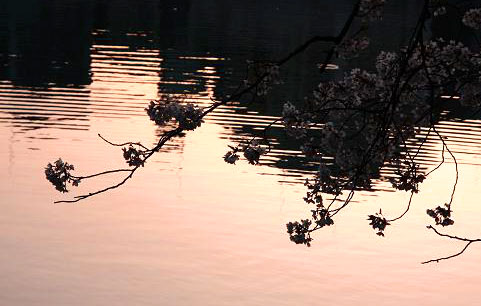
[189, 229]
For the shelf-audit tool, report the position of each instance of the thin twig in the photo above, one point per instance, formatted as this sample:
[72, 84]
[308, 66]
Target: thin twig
[469, 241]
[122, 144]
[407, 208]
[81, 197]
[100, 173]
[455, 164]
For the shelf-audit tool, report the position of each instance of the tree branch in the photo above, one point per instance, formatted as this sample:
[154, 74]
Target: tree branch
[469, 242]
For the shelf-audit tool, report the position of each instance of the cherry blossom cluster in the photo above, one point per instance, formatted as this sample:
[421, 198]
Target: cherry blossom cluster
[252, 152]
[262, 76]
[188, 116]
[378, 223]
[441, 215]
[439, 11]
[299, 232]
[366, 119]
[450, 68]
[133, 156]
[59, 175]
[407, 177]
[295, 122]
[472, 18]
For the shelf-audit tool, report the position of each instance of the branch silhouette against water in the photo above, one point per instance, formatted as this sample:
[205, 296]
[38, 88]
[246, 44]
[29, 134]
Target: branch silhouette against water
[230, 98]
[352, 128]
[469, 242]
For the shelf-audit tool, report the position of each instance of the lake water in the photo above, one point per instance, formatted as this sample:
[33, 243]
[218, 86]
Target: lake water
[189, 229]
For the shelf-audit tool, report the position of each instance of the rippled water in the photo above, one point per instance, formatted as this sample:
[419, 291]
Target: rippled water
[189, 229]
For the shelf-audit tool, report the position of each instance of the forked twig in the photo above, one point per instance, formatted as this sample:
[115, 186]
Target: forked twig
[469, 241]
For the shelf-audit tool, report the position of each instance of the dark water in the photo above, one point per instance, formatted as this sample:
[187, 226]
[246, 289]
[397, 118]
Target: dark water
[53, 54]
[191, 229]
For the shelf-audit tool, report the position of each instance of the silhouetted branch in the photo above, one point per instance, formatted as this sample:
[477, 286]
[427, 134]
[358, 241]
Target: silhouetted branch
[167, 136]
[354, 126]
[101, 173]
[407, 208]
[469, 241]
[122, 144]
[84, 196]
[455, 164]
[141, 156]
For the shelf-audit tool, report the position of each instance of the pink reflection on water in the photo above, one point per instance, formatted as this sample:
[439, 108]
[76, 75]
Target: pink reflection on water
[190, 229]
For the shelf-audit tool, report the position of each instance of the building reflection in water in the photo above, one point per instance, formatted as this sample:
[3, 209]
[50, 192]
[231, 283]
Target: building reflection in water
[64, 63]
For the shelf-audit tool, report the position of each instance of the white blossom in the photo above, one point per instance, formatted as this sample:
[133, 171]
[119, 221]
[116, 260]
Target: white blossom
[472, 18]
[440, 11]
[386, 64]
[295, 123]
[289, 110]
